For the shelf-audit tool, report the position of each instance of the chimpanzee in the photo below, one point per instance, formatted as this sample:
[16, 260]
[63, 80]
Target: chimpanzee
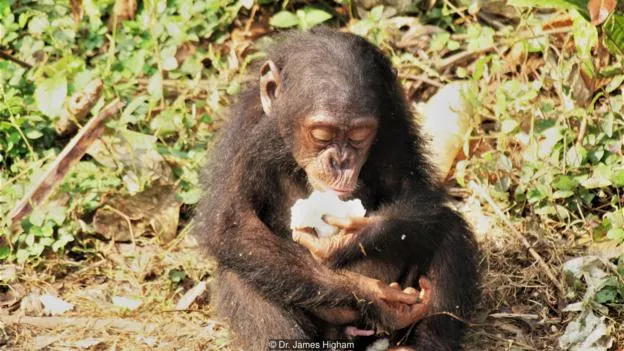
[328, 113]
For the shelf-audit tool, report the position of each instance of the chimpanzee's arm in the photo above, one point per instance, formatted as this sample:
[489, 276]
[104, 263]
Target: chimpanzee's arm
[432, 237]
[402, 230]
[285, 272]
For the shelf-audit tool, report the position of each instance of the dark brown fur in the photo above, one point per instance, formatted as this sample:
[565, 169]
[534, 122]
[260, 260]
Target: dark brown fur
[267, 285]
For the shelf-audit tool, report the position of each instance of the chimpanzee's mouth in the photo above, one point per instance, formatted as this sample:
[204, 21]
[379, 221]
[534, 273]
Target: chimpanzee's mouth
[319, 185]
[342, 193]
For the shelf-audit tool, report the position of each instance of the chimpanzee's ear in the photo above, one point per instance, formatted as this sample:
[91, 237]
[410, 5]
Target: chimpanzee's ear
[269, 85]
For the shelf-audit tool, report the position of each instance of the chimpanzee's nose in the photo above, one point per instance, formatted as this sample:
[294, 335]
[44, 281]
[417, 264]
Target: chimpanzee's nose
[338, 161]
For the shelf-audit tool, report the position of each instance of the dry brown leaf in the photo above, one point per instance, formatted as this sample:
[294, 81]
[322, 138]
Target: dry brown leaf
[599, 10]
[76, 9]
[123, 10]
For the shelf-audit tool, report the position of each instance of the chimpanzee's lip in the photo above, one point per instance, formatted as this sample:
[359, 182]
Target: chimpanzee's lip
[342, 192]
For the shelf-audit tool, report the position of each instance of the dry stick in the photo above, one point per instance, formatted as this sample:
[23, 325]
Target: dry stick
[15, 60]
[540, 261]
[93, 323]
[451, 60]
[421, 78]
[79, 106]
[582, 130]
[70, 155]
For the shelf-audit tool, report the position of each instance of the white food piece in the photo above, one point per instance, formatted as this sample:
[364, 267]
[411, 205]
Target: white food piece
[308, 213]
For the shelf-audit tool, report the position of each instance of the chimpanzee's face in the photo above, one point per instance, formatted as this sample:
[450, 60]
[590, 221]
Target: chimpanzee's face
[333, 149]
[330, 131]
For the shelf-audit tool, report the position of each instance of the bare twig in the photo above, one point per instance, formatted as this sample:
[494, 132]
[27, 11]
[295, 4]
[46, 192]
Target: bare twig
[460, 56]
[15, 60]
[582, 130]
[70, 155]
[92, 323]
[421, 78]
[515, 315]
[79, 106]
[540, 261]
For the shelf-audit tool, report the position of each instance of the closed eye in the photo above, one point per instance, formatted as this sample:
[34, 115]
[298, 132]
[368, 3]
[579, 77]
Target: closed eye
[323, 135]
[360, 135]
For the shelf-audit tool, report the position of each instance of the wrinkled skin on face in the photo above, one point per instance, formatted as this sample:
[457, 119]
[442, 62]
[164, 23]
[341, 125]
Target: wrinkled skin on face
[332, 152]
[331, 146]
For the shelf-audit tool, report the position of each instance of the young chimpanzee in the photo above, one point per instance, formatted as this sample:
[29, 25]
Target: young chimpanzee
[327, 113]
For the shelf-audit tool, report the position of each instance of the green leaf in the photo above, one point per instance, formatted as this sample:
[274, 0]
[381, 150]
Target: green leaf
[508, 126]
[63, 240]
[376, 13]
[176, 275]
[4, 4]
[615, 83]
[607, 123]
[22, 255]
[616, 234]
[4, 252]
[618, 179]
[565, 183]
[154, 86]
[575, 156]
[558, 4]
[190, 197]
[480, 66]
[57, 214]
[34, 134]
[439, 41]
[614, 32]
[606, 295]
[600, 178]
[37, 216]
[315, 17]
[562, 194]
[585, 37]
[284, 19]
[50, 95]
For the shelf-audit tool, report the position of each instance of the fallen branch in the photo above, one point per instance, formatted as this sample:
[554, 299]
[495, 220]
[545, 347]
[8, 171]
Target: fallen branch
[78, 107]
[421, 78]
[70, 155]
[15, 60]
[84, 322]
[447, 62]
[540, 261]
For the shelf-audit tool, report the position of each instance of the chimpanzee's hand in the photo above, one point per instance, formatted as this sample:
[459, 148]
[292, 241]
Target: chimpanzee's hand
[396, 311]
[322, 248]
[351, 225]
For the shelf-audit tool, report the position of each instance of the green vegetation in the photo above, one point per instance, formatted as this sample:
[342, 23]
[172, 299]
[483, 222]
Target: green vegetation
[546, 137]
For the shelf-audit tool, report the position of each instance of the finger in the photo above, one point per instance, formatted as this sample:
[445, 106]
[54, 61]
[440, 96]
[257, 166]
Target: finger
[340, 222]
[418, 312]
[410, 291]
[395, 285]
[307, 240]
[396, 295]
[425, 289]
[353, 331]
